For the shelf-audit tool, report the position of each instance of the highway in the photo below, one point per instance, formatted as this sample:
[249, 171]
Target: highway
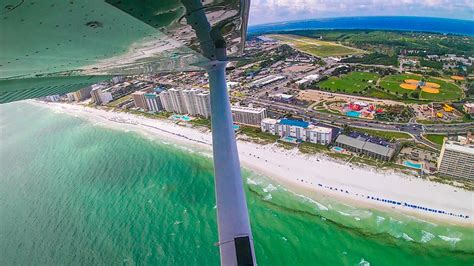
[414, 129]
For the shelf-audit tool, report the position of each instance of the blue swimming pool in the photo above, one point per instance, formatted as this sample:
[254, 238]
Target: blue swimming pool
[181, 117]
[290, 139]
[236, 127]
[353, 114]
[338, 149]
[413, 165]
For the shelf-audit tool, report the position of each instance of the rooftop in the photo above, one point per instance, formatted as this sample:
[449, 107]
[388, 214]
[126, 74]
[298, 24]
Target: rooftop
[353, 142]
[320, 129]
[269, 121]
[296, 123]
[247, 109]
[365, 144]
[458, 147]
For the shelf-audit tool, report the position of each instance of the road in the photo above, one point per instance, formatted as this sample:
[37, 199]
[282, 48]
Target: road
[414, 129]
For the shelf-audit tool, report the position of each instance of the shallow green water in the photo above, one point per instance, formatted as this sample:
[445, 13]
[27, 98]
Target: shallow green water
[72, 192]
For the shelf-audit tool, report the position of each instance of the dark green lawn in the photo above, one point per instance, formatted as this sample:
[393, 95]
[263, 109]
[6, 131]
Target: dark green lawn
[354, 82]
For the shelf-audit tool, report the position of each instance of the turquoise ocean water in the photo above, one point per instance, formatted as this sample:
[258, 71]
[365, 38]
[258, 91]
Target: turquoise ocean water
[72, 192]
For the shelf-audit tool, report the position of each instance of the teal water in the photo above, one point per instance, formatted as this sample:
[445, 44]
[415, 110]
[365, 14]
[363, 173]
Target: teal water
[72, 192]
[353, 114]
[412, 164]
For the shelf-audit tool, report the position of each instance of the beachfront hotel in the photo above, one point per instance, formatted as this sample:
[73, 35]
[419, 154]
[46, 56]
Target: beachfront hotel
[177, 100]
[297, 129]
[153, 102]
[190, 101]
[373, 147]
[204, 104]
[100, 96]
[165, 99]
[139, 99]
[82, 94]
[457, 158]
[248, 115]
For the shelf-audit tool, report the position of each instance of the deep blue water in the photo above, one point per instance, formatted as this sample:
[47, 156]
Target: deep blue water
[427, 24]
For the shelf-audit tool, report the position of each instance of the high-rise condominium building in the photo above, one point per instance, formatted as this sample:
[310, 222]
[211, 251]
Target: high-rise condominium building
[82, 94]
[177, 101]
[457, 158]
[190, 100]
[204, 104]
[139, 99]
[299, 130]
[165, 99]
[153, 102]
[95, 94]
[248, 115]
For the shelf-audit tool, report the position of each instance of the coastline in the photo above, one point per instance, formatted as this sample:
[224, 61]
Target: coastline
[309, 175]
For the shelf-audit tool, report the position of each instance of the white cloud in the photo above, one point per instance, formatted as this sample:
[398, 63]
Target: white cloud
[266, 11]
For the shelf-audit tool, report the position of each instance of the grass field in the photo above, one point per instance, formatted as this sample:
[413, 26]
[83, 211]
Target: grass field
[354, 82]
[316, 47]
[383, 134]
[438, 139]
[448, 91]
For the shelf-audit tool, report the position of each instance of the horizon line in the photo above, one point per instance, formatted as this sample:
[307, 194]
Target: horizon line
[337, 17]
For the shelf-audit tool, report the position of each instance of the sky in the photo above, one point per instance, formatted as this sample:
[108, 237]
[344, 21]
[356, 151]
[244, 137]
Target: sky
[269, 11]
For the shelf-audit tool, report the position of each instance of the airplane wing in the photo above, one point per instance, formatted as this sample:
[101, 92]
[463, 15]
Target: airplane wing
[56, 46]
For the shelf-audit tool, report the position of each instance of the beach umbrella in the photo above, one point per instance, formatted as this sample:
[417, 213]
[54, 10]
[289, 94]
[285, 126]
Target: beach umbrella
[54, 47]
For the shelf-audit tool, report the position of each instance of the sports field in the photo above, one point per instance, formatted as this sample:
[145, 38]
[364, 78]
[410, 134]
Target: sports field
[316, 47]
[354, 82]
[432, 89]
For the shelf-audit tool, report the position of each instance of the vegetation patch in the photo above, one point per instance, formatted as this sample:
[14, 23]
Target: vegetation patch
[316, 47]
[257, 135]
[436, 138]
[312, 148]
[433, 90]
[383, 134]
[352, 83]
[374, 59]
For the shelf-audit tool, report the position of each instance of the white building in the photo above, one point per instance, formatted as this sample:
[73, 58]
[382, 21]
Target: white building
[204, 104]
[292, 128]
[469, 108]
[269, 125]
[165, 99]
[52, 98]
[190, 100]
[248, 115]
[118, 79]
[101, 97]
[266, 80]
[457, 158]
[321, 135]
[309, 78]
[300, 130]
[177, 101]
[106, 96]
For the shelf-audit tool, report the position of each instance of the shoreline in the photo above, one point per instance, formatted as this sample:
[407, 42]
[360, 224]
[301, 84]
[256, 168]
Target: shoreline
[311, 176]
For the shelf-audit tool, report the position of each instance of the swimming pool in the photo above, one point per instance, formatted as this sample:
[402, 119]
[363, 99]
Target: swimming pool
[181, 117]
[236, 127]
[413, 165]
[290, 139]
[353, 114]
[338, 149]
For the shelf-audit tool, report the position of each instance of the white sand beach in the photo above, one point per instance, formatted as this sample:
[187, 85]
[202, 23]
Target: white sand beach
[310, 175]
